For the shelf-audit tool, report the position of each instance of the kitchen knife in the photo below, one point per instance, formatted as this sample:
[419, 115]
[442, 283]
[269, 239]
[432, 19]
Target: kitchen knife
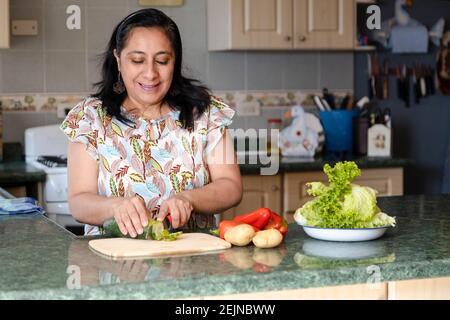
[329, 98]
[385, 80]
[326, 105]
[407, 93]
[371, 80]
[431, 81]
[318, 103]
[417, 94]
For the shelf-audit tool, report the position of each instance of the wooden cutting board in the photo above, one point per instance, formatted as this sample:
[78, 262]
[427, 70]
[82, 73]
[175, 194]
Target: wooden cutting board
[187, 243]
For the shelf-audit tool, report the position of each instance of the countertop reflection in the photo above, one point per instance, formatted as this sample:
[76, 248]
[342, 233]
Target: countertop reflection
[40, 260]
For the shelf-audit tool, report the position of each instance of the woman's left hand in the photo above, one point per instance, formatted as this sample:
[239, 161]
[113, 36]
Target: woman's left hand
[180, 209]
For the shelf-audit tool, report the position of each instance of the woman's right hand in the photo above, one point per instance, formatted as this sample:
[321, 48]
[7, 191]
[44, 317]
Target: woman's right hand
[131, 215]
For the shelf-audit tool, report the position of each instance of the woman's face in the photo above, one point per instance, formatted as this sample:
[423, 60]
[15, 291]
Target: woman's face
[147, 65]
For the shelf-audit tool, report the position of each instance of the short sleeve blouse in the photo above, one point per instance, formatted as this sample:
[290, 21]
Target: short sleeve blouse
[152, 159]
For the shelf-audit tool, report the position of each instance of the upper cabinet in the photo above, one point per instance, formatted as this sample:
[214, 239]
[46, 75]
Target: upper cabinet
[249, 24]
[4, 24]
[324, 24]
[280, 24]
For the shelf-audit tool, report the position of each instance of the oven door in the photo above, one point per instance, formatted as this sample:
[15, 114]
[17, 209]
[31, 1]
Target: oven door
[55, 188]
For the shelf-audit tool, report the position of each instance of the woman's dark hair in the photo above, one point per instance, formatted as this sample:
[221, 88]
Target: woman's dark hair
[187, 95]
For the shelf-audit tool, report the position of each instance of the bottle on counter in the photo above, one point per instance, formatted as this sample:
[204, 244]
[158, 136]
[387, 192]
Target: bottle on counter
[360, 129]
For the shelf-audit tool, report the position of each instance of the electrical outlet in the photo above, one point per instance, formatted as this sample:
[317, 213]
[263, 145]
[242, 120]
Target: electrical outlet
[24, 28]
[248, 108]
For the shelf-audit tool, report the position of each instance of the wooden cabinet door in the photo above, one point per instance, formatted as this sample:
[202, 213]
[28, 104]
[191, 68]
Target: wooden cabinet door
[324, 24]
[261, 24]
[259, 192]
[388, 182]
[347, 292]
[4, 24]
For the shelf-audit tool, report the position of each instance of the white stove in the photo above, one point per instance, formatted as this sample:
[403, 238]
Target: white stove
[46, 149]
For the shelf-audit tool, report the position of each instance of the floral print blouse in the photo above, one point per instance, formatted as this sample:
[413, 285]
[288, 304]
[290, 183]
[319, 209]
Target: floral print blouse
[154, 159]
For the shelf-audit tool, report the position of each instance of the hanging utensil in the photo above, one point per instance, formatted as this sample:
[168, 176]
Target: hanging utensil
[406, 84]
[385, 80]
[371, 80]
[416, 86]
[387, 117]
[378, 79]
[399, 82]
[403, 86]
[432, 79]
[423, 84]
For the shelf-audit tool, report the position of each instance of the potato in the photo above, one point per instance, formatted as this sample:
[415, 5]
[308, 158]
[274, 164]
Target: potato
[267, 238]
[239, 257]
[241, 235]
[268, 257]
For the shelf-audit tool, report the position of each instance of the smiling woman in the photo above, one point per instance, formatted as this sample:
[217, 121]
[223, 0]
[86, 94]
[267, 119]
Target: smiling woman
[147, 143]
[147, 70]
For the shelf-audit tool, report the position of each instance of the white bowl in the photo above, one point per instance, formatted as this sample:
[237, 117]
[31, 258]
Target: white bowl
[348, 235]
[344, 250]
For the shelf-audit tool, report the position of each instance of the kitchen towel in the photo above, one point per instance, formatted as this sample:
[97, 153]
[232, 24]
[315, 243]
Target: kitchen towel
[25, 205]
[409, 39]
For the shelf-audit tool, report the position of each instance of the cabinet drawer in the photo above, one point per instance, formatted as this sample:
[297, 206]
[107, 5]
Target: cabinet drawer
[388, 182]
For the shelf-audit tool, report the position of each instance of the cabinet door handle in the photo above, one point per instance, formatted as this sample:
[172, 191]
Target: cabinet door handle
[288, 38]
[275, 188]
[302, 38]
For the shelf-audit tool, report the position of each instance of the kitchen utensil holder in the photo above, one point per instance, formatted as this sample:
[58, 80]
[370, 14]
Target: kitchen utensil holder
[338, 127]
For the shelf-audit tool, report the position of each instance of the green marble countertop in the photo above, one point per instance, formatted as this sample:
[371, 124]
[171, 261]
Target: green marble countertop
[19, 172]
[296, 164]
[40, 260]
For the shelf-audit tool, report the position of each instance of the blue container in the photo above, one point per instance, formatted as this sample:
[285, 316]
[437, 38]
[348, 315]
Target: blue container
[338, 127]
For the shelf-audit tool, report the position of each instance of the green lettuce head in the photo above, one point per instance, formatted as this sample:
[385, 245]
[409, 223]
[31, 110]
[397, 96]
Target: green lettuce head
[307, 216]
[342, 204]
[361, 200]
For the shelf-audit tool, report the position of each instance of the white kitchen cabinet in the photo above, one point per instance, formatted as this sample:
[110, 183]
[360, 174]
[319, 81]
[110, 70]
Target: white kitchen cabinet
[280, 24]
[4, 24]
[249, 24]
[324, 24]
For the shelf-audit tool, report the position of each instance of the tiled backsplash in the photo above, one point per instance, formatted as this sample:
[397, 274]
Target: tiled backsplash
[25, 111]
[59, 59]
[37, 102]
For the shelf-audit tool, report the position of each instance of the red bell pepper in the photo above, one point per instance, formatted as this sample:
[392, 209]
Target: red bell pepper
[277, 222]
[259, 267]
[257, 218]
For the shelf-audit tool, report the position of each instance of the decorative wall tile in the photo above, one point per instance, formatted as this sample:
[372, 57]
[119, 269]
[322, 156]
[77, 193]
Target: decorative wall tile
[37, 103]
[49, 102]
[31, 110]
[275, 98]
